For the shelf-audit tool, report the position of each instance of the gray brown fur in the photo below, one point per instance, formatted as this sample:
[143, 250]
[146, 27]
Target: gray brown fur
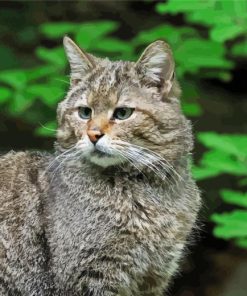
[72, 226]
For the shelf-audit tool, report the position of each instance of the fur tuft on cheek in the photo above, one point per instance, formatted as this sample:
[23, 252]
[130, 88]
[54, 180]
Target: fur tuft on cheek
[63, 134]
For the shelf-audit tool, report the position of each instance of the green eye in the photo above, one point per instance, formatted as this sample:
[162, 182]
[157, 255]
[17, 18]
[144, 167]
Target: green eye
[85, 112]
[122, 113]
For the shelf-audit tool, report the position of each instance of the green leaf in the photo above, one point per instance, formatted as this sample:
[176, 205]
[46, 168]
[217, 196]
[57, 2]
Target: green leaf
[159, 32]
[88, 34]
[112, 45]
[222, 33]
[230, 225]
[18, 79]
[18, 104]
[210, 17]
[176, 6]
[14, 78]
[5, 94]
[237, 9]
[39, 72]
[49, 94]
[234, 197]
[192, 109]
[201, 173]
[223, 162]
[173, 35]
[58, 30]
[47, 130]
[194, 54]
[55, 56]
[240, 49]
[219, 14]
[231, 144]
[242, 242]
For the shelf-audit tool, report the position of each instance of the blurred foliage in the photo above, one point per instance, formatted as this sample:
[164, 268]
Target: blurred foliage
[208, 41]
[34, 93]
[227, 155]
[225, 19]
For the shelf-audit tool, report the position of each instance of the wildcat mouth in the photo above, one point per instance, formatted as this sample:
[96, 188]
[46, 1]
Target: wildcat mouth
[99, 153]
[103, 158]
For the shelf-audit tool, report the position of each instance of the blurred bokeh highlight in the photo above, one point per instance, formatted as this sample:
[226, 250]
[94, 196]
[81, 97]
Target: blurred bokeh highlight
[210, 49]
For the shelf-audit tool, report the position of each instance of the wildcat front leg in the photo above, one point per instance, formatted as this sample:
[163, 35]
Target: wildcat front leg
[6, 290]
[153, 285]
[3, 291]
[99, 291]
[101, 287]
[102, 280]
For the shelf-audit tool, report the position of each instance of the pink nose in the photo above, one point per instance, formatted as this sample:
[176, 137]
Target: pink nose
[94, 135]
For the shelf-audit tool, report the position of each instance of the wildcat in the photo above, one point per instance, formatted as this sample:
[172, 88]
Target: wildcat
[110, 212]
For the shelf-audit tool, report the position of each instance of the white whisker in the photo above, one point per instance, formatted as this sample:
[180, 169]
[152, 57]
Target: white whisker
[56, 158]
[66, 158]
[148, 158]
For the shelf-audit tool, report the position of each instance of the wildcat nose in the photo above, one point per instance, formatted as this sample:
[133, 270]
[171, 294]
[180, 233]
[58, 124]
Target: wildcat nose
[94, 135]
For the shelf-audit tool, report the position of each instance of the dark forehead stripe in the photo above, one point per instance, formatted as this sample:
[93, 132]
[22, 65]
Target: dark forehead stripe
[105, 84]
[94, 76]
[110, 75]
[77, 93]
[106, 79]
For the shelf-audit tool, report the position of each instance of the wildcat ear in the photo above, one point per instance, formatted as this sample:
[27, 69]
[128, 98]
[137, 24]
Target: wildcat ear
[156, 65]
[80, 62]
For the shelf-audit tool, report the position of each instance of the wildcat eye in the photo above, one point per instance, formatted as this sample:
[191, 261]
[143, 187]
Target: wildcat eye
[85, 112]
[122, 113]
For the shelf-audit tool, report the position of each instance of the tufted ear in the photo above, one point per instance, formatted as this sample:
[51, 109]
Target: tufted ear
[156, 65]
[81, 62]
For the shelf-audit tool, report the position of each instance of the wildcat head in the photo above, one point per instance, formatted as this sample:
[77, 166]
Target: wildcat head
[122, 111]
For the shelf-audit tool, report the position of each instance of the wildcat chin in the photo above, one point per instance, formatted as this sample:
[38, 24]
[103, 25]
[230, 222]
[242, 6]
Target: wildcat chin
[99, 151]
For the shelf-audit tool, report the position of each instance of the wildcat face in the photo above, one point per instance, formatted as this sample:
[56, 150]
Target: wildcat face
[122, 111]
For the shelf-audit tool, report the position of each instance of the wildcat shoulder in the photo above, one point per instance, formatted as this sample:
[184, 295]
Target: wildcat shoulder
[9, 166]
[18, 170]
